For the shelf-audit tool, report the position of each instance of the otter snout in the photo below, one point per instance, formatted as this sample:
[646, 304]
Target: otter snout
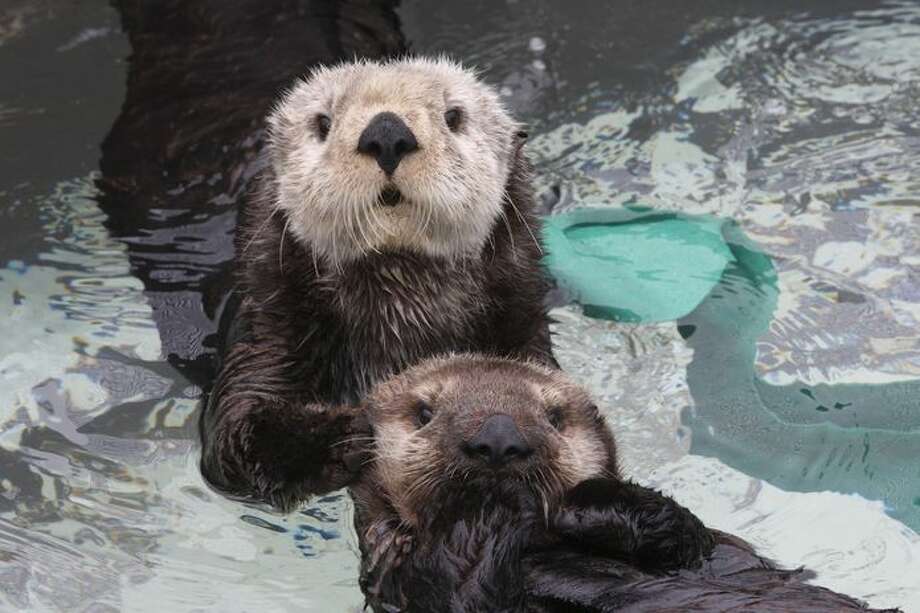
[498, 442]
[388, 139]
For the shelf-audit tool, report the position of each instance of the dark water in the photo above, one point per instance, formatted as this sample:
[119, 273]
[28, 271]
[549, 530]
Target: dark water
[797, 120]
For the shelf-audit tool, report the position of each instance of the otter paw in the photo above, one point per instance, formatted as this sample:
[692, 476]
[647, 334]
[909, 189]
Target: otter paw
[296, 452]
[627, 521]
[387, 544]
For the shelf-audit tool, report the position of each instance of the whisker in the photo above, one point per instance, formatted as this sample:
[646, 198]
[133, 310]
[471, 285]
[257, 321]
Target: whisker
[356, 439]
[371, 229]
[335, 252]
[315, 264]
[270, 297]
[510, 233]
[378, 226]
[348, 213]
[259, 230]
[421, 214]
[281, 245]
[524, 222]
[306, 337]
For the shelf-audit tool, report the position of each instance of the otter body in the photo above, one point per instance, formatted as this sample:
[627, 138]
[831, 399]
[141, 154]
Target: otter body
[394, 221]
[494, 487]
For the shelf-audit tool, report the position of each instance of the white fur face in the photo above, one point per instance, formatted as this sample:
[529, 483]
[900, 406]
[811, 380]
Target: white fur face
[452, 186]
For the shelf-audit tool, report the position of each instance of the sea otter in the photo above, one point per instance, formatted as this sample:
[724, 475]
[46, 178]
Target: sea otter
[394, 220]
[494, 487]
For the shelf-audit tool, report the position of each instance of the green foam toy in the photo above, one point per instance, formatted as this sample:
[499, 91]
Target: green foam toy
[635, 264]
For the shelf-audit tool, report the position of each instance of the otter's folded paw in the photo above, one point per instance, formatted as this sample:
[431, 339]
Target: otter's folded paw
[633, 523]
[293, 452]
[386, 544]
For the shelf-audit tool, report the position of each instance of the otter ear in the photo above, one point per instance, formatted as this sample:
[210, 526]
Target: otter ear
[520, 137]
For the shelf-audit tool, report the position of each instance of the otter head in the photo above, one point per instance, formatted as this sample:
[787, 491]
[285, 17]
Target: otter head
[475, 424]
[407, 154]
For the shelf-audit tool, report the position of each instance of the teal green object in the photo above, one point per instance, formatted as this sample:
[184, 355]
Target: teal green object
[845, 437]
[638, 264]
[635, 264]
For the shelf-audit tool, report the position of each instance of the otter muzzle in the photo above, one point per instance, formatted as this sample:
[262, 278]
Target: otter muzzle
[498, 442]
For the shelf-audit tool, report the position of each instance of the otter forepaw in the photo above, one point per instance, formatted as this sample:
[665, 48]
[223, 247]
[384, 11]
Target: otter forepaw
[293, 453]
[387, 539]
[387, 545]
[627, 521]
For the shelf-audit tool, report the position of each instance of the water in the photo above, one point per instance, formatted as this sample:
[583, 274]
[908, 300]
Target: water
[799, 125]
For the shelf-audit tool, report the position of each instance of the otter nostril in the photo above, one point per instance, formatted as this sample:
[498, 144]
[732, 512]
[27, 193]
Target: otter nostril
[483, 450]
[403, 147]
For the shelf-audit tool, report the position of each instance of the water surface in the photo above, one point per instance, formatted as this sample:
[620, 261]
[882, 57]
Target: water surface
[801, 125]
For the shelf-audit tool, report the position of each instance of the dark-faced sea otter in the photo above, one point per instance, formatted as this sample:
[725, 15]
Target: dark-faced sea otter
[394, 221]
[494, 487]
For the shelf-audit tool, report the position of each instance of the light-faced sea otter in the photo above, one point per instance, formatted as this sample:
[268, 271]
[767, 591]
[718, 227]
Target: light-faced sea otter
[394, 221]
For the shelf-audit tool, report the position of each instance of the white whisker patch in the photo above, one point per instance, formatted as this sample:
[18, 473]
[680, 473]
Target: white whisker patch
[452, 187]
[583, 456]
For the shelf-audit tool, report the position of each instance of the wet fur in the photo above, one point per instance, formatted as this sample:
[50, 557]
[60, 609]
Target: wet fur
[316, 332]
[563, 579]
[499, 555]
[413, 464]
[462, 556]
[496, 541]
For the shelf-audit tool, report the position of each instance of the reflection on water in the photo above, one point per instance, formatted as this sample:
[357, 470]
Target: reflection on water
[806, 133]
[101, 497]
[802, 127]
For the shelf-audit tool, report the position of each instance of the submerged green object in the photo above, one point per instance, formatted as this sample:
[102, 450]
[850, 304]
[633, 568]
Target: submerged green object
[722, 291]
[844, 437]
[635, 264]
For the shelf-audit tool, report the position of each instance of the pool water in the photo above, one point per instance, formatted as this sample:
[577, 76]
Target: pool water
[781, 404]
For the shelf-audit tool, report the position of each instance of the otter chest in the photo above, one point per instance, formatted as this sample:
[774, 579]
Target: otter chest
[397, 311]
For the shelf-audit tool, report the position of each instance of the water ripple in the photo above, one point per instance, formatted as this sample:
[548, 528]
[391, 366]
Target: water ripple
[807, 133]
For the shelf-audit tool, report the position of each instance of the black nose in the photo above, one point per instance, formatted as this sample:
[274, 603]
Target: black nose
[498, 441]
[388, 139]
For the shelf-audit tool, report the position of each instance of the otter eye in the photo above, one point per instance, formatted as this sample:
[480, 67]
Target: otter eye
[555, 417]
[424, 414]
[452, 118]
[323, 123]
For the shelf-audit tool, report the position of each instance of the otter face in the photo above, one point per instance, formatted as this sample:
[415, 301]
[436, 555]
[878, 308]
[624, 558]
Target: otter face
[475, 422]
[407, 154]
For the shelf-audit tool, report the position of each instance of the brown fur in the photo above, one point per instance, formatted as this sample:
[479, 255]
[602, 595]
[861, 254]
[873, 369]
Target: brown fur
[553, 531]
[423, 498]
[412, 463]
[317, 333]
